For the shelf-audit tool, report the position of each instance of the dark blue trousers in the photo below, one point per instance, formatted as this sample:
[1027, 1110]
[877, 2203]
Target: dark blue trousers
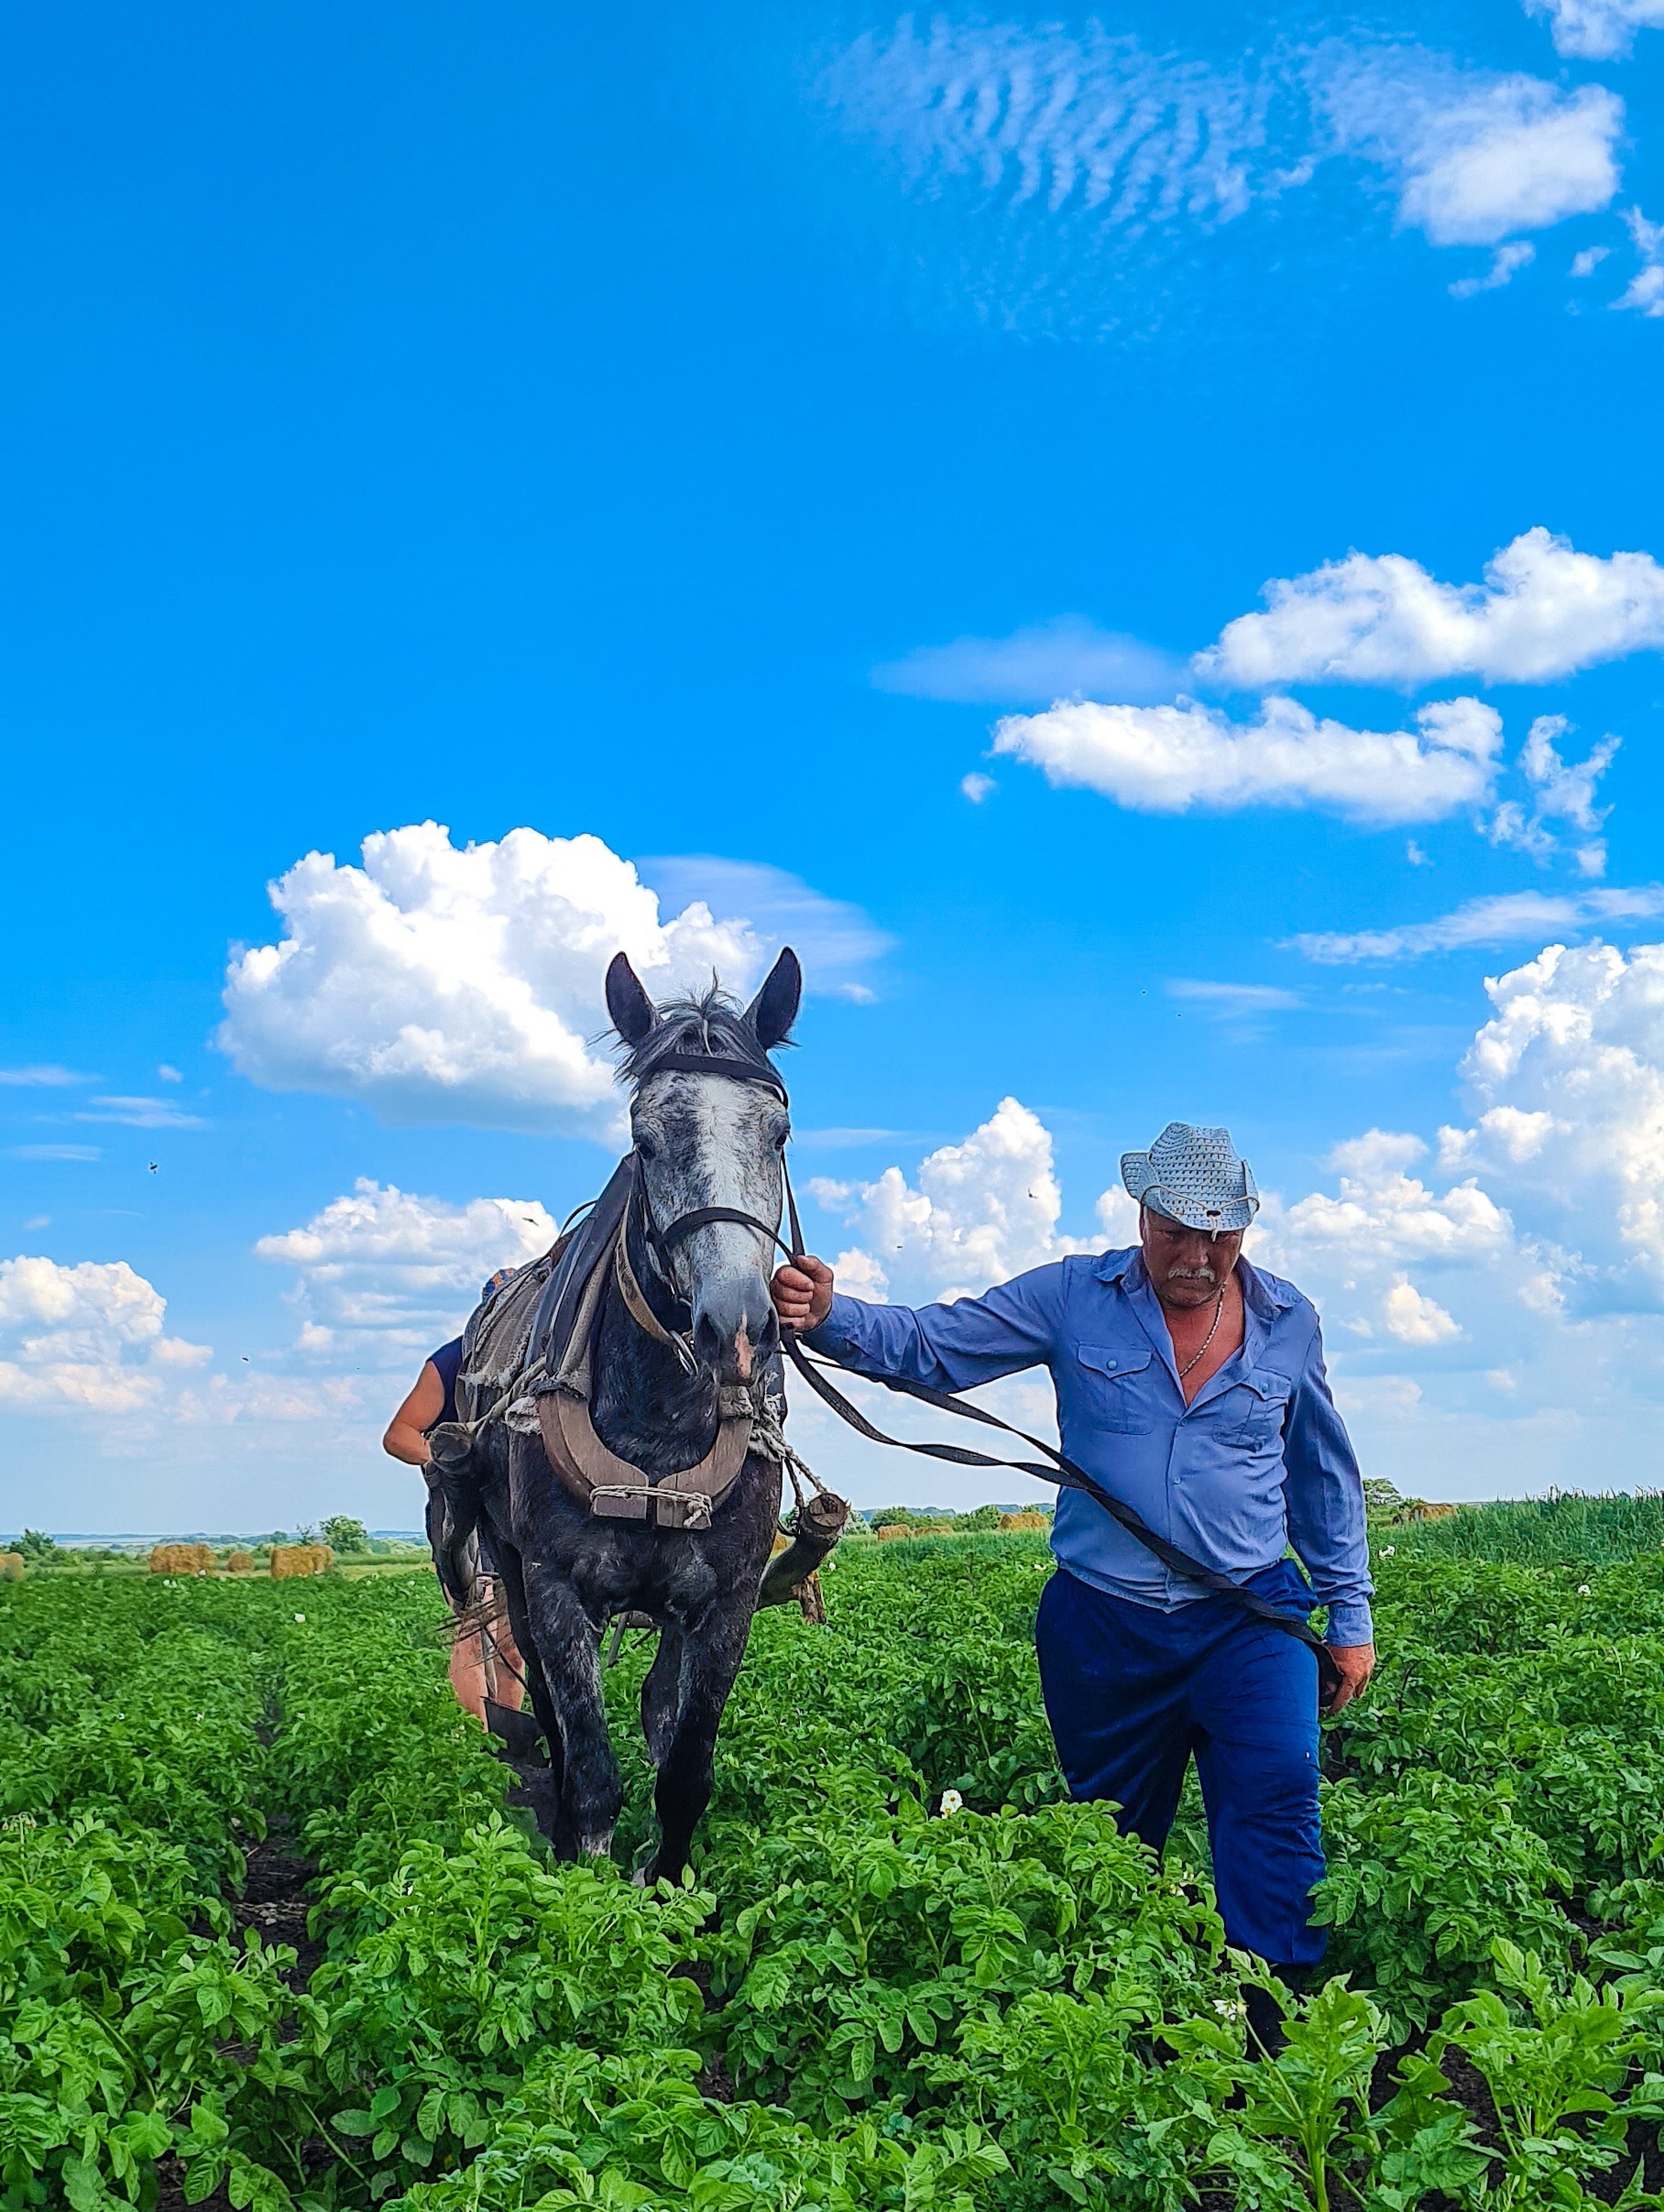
[1131, 1692]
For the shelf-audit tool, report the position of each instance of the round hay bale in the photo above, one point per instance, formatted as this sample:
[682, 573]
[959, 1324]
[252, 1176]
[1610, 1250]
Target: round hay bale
[290, 1560]
[1026, 1518]
[239, 1562]
[182, 1558]
[11, 1566]
[889, 1530]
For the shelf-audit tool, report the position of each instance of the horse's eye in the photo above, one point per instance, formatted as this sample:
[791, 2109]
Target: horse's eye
[781, 1134]
[647, 1145]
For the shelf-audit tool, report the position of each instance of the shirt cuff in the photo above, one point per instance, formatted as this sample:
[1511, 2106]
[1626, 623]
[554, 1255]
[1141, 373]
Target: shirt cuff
[834, 1335]
[1349, 1623]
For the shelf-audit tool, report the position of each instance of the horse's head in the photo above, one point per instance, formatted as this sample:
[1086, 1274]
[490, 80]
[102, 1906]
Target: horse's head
[706, 1139]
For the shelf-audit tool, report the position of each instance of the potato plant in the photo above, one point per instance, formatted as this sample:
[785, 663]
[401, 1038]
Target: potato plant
[904, 1972]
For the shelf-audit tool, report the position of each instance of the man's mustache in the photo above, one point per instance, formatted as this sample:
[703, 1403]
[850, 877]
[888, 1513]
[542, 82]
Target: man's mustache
[1191, 1275]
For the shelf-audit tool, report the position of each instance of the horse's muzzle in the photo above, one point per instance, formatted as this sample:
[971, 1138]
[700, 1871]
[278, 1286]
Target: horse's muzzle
[736, 1329]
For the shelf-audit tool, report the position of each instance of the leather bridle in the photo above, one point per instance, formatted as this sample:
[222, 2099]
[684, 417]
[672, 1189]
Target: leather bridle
[662, 1243]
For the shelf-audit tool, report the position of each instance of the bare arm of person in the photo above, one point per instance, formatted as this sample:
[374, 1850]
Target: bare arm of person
[404, 1438]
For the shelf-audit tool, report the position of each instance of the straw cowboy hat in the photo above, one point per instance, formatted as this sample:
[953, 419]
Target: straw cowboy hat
[1194, 1175]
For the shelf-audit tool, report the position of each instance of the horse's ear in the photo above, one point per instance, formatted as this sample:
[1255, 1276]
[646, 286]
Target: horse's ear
[629, 1006]
[774, 1009]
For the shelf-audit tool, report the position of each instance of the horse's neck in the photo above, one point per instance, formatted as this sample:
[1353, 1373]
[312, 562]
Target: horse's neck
[645, 1406]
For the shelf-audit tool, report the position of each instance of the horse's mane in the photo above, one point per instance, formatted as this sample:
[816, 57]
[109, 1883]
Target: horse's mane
[709, 1022]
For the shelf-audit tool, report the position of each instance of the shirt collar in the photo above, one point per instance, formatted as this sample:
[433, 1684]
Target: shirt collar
[1265, 1295]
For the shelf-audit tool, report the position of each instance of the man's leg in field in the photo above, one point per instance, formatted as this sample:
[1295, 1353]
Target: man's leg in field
[1114, 1695]
[1254, 1701]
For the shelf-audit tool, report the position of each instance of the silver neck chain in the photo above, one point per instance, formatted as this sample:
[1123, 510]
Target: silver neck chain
[1219, 1308]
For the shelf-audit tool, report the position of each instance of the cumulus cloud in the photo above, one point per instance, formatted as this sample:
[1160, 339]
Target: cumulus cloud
[1573, 1054]
[1544, 612]
[1167, 760]
[1067, 657]
[1505, 919]
[88, 1338]
[386, 1274]
[438, 984]
[1483, 158]
[979, 1211]
[1598, 30]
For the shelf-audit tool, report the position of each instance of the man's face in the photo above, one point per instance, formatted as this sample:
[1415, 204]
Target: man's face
[1186, 1266]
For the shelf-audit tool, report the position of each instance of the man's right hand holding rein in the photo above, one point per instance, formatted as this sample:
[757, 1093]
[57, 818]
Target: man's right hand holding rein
[802, 1291]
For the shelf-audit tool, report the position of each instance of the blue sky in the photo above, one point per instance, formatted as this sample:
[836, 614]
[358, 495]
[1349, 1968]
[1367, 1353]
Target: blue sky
[1129, 551]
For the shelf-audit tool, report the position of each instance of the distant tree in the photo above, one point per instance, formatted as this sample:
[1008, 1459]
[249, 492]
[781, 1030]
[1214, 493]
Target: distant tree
[1381, 1497]
[984, 1517]
[37, 1546]
[342, 1533]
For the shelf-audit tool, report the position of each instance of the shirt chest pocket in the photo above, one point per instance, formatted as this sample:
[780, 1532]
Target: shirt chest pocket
[1120, 1388]
[1252, 1419]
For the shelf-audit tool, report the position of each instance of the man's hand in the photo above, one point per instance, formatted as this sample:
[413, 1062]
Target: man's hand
[802, 1292]
[1355, 1664]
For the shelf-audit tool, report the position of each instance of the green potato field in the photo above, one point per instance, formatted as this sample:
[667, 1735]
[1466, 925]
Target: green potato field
[272, 1933]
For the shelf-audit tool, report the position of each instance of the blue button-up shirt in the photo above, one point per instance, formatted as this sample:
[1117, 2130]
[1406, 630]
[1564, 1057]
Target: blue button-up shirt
[1259, 1460]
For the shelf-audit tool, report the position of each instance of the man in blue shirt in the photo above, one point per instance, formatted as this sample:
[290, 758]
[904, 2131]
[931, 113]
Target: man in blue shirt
[1191, 1385]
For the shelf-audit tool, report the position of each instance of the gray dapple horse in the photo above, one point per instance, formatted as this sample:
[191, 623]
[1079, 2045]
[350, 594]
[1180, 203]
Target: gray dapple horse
[709, 1118]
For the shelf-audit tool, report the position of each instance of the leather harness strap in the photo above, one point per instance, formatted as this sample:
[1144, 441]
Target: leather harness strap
[611, 1487]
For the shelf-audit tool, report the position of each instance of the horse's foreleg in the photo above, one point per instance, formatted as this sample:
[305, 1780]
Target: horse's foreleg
[709, 1664]
[661, 1696]
[567, 1648]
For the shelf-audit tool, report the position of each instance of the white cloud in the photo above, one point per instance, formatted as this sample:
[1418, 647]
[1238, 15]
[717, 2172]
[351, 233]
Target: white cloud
[1242, 1010]
[1232, 1002]
[141, 1114]
[442, 984]
[1589, 261]
[1505, 919]
[1415, 1319]
[166, 1073]
[1166, 760]
[978, 787]
[1646, 290]
[1544, 612]
[1577, 1037]
[389, 1276]
[1505, 264]
[1066, 658]
[42, 1076]
[56, 1152]
[1509, 154]
[979, 1211]
[1065, 153]
[1091, 124]
[84, 1338]
[1560, 791]
[1598, 30]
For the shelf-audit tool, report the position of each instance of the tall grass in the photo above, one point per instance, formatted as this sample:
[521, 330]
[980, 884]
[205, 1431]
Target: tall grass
[1565, 1528]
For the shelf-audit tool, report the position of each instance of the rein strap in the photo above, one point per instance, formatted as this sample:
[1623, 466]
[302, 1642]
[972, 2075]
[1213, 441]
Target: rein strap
[1067, 1474]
